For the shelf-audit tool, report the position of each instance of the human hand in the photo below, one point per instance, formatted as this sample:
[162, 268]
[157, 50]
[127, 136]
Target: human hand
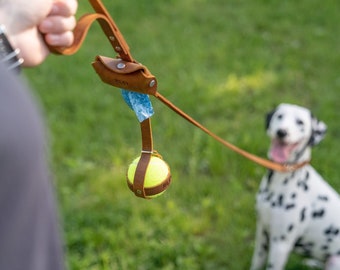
[34, 25]
[59, 23]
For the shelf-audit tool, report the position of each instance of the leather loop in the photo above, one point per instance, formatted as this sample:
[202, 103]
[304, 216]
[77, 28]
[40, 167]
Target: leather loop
[80, 32]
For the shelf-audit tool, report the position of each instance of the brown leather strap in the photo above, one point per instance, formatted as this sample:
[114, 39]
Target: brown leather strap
[138, 181]
[120, 46]
[108, 26]
[80, 32]
[147, 141]
[112, 32]
[151, 191]
[147, 150]
[263, 162]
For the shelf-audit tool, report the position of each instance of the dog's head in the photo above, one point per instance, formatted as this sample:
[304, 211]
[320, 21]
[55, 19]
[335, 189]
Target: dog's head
[293, 131]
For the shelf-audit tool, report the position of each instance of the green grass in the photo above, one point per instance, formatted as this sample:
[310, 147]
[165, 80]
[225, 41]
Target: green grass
[226, 63]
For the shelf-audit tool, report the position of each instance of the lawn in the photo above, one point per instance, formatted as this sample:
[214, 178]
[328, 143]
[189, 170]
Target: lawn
[226, 63]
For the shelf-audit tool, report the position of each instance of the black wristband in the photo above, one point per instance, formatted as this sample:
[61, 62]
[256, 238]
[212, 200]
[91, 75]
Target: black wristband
[8, 55]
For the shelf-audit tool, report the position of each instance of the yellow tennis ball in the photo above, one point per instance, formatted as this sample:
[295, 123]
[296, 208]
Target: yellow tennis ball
[157, 177]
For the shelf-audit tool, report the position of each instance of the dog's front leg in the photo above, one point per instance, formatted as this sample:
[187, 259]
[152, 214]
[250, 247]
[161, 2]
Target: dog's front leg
[278, 253]
[261, 248]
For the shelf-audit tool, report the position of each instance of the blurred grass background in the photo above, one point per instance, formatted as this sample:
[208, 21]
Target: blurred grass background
[226, 63]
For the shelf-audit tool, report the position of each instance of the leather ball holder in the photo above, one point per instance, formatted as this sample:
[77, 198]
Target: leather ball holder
[127, 75]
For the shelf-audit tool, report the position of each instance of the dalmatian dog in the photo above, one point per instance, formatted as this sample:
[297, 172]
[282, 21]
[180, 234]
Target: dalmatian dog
[296, 211]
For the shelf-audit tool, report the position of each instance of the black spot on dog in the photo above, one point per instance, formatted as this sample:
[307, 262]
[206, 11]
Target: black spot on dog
[309, 245]
[269, 197]
[266, 235]
[302, 183]
[301, 124]
[303, 214]
[324, 247]
[265, 245]
[328, 230]
[307, 176]
[293, 196]
[290, 206]
[318, 214]
[285, 182]
[299, 242]
[288, 178]
[331, 231]
[304, 247]
[269, 178]
[323, 198]
[290, 227]
[280, 200]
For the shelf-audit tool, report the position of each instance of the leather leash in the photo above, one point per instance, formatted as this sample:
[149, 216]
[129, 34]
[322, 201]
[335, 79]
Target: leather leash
[125, 72]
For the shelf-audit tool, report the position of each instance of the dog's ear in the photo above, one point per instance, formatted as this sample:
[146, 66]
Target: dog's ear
[319, 129]
[269, 118]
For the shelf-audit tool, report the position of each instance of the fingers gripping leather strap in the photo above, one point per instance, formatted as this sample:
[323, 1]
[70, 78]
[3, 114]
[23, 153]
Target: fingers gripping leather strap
[147, 150]
[109, 28]
[80, 32]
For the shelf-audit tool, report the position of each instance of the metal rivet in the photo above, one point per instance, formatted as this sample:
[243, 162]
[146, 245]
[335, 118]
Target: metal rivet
[112, 38]
[118, 49]
[139, 191]
[152, 83]
[121, 65]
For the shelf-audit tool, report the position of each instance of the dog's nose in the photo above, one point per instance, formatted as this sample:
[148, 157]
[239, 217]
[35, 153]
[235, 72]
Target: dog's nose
[281, 133]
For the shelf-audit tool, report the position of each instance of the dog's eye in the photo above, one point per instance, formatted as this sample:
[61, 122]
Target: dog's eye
[299, 122]
[279, 116]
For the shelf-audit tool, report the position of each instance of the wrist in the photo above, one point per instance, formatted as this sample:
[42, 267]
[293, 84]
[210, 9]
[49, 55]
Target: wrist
[9, 55]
